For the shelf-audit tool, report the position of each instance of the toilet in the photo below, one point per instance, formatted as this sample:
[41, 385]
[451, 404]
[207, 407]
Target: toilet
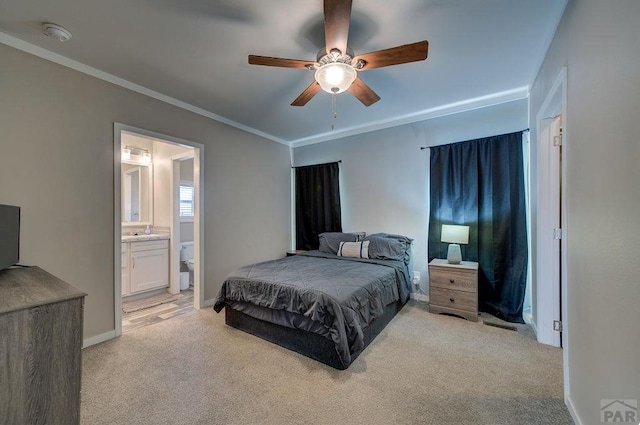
[187, 255]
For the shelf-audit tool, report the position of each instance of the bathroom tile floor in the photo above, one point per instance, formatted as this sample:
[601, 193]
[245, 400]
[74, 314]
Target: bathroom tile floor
[149, 316]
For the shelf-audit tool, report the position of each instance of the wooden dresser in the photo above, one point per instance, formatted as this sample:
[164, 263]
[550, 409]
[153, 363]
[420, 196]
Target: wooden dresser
[453, 288]
[40, 344]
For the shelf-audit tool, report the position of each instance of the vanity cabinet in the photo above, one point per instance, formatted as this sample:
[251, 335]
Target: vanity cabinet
[146, 265]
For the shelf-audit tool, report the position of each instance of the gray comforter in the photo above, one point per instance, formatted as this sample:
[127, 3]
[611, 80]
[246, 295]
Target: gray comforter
[342, 294]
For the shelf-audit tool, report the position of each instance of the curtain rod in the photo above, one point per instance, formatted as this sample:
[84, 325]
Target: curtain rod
[326, 163]
[497, 135]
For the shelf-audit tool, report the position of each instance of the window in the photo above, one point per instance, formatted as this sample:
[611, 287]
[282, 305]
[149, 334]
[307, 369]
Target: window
[187, 204]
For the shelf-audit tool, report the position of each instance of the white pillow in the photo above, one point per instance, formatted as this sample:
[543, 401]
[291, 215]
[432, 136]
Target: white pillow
[354, 249]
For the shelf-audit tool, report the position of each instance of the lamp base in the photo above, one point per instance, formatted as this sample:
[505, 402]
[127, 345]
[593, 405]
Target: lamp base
[454, 256]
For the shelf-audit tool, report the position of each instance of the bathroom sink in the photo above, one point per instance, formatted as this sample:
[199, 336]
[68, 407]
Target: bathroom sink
[143, 237]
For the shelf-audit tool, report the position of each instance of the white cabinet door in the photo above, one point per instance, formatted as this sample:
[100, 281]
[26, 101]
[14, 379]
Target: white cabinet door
[149, 270]
[125, 272]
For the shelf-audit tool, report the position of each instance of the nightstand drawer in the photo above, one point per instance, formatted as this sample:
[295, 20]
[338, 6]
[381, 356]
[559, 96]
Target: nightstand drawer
[461, 280]
[460, 300]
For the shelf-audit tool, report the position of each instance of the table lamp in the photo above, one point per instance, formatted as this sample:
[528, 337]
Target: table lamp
[454, 235]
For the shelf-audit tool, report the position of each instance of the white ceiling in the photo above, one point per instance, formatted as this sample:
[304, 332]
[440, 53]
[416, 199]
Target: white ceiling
[193, 53]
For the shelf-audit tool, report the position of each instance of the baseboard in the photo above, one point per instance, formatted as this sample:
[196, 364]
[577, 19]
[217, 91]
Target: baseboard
[208, 303]
[572, 410]
[420, 297]
[528, 318]
[88, 342]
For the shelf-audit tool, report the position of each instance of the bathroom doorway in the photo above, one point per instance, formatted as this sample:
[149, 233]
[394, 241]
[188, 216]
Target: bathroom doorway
[145, 275]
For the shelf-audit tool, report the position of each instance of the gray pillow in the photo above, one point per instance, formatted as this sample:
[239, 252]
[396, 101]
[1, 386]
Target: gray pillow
[359, 235]
[384, 246]
[330, 241]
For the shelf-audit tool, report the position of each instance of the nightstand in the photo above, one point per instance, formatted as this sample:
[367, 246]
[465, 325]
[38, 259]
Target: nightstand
[295, 252]
[453, 288]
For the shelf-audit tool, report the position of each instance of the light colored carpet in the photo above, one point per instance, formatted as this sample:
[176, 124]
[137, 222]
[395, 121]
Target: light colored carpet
[422, 369]
[131, 306]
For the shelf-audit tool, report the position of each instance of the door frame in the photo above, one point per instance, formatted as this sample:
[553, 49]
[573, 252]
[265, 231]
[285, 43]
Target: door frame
[174, 276]
[550, 305]
[198, 231]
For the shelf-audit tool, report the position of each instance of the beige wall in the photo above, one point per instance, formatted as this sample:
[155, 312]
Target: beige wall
[162, 178]
[385, 176]
[56, 162]
[186, 170]
[599, 43]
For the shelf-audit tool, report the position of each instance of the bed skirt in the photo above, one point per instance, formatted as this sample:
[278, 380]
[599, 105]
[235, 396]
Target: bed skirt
[306, 343]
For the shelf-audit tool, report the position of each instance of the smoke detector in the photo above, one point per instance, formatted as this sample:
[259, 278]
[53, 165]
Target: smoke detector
[56, 31]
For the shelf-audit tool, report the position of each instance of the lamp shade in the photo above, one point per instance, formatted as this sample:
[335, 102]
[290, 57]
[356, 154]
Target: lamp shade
[335, 77]
[455, 234]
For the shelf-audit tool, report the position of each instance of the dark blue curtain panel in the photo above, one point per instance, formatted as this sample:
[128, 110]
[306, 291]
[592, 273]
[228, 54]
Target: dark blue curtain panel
[317, 203]
[481, 183]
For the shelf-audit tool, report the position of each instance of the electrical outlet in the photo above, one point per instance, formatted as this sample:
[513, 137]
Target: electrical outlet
[416, 279]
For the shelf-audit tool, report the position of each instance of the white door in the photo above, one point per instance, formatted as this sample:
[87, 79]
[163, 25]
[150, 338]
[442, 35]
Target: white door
[549, 231]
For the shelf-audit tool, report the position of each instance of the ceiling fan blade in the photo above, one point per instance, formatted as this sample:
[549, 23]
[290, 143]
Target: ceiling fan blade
[307, 94]
[363, 93]
[394, 56]
[280, 62]
[337, 14]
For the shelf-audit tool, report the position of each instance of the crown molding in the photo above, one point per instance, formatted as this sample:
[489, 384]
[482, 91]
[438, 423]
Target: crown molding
[440, 111]
[110, 78]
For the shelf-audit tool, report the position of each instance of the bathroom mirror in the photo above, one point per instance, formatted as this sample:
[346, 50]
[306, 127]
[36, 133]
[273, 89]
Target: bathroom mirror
[137, 194]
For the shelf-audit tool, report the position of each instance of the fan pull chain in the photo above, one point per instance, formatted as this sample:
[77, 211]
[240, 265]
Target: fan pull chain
[333, 105]
[334, 109]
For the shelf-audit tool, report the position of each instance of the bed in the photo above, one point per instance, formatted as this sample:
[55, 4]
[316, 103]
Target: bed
[327, 304]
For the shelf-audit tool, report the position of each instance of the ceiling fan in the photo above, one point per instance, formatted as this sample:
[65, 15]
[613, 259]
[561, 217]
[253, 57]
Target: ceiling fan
[336, 68]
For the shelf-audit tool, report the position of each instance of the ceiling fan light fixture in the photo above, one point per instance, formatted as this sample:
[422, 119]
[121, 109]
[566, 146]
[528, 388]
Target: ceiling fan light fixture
[335, 77]
[336, 69]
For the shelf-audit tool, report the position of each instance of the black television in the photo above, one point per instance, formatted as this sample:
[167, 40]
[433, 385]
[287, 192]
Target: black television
[9, 235]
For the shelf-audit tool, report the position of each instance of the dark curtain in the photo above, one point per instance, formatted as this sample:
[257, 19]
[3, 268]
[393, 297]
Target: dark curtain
[317, 203]
[480, 183]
